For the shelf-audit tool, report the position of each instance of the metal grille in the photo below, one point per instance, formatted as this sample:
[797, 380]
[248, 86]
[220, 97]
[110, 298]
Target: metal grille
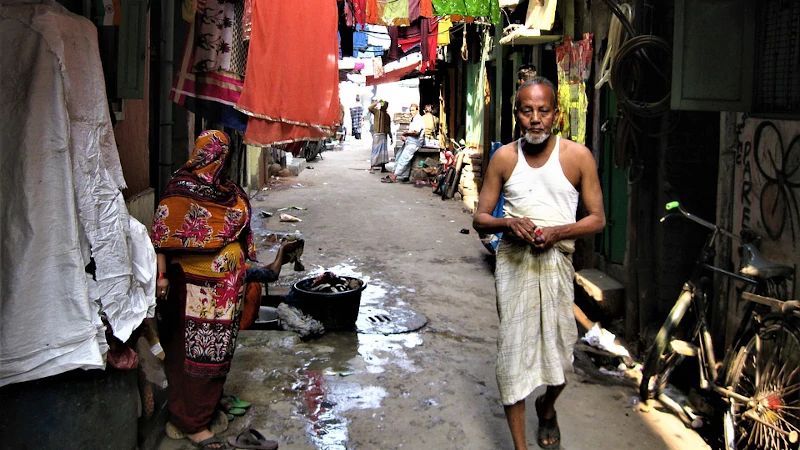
[777, 72]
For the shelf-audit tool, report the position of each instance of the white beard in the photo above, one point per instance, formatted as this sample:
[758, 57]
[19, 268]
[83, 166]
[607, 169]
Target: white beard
[531, 139]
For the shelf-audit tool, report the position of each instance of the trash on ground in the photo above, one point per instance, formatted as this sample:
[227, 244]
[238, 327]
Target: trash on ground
[292, 319]
[604, 340]
[309, 167]
[298, 185]
[289, 218]
[266, 214]
[464, 231]
[289, 208]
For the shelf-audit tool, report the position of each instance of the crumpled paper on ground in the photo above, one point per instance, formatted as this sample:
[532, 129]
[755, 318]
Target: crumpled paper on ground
[603, 339]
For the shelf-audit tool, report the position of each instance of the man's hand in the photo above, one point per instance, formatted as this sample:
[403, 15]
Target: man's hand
[403, 137]
[545, 238]
[524, 228]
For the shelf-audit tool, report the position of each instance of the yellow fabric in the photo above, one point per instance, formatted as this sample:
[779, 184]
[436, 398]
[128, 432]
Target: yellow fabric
[444, 31]
[564, 108]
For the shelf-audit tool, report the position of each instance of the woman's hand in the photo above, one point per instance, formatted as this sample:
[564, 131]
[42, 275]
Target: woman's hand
[162, 288]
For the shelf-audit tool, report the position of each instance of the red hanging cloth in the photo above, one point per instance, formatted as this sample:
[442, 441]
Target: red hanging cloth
[291, 91]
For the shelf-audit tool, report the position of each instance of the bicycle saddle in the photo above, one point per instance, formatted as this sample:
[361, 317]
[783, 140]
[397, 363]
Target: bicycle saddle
[756, 265]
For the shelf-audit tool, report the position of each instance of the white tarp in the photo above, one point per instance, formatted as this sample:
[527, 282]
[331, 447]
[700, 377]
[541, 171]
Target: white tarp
[62, 205]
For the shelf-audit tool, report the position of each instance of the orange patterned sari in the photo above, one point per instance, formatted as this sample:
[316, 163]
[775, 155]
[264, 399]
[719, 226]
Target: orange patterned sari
[203, 224]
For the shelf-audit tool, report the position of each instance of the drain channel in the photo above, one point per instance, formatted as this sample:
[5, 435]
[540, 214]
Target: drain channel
[388, 320]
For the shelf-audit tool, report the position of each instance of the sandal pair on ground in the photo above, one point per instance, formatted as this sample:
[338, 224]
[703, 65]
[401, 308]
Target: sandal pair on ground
[233, 406]
[548, 429]
[388, 179]
[249, 439]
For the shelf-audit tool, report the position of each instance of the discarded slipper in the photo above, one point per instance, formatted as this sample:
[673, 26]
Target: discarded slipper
[237, 411]
[235, 402]
[548, 430]
[212, 443]
[251, 438]
[387, 179]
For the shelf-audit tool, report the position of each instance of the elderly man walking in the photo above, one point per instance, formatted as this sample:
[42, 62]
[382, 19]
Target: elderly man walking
[542, 177]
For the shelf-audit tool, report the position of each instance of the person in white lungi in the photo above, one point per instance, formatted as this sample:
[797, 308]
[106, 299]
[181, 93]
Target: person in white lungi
[542, 177]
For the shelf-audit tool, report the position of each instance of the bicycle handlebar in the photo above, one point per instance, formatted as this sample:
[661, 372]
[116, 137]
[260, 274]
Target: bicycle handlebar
[673, 205]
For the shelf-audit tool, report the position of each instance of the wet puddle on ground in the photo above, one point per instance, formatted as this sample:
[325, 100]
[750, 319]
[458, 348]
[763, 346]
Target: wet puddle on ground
[336, 373]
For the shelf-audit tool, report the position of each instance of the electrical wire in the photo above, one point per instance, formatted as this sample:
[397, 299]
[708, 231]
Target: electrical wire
[627, 70]
[615, 39]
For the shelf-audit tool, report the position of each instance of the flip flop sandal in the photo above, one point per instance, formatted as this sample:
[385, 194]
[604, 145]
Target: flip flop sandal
[235, 402]
[237, 411]
[548, 429]
[251, 438]
[212, 443]
[387, 179]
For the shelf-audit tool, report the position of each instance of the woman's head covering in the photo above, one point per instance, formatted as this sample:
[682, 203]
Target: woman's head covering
[211, 150]
[200, 211]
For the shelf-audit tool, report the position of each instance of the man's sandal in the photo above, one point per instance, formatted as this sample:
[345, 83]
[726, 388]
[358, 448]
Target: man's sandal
[387, 179]
[548, 430]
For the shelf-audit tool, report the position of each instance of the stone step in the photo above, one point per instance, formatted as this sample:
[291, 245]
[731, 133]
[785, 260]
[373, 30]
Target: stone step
[603, 291]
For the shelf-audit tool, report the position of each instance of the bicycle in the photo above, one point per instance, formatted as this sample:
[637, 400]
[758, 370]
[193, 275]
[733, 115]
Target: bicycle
[759, 380]
[444, 183]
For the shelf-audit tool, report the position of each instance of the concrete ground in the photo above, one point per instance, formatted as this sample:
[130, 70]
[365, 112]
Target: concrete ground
[433, 388]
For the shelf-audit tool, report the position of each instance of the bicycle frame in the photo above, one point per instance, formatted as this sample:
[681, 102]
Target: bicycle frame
[693, 294]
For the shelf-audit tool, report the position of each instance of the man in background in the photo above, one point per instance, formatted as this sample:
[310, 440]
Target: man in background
[355, 117]
[412, 140]
[382, 128]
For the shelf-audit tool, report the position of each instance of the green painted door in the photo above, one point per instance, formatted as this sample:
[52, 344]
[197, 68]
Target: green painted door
[615, 186]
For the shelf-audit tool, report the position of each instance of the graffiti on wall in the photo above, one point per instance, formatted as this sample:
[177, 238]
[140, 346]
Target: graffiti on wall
[768, 180]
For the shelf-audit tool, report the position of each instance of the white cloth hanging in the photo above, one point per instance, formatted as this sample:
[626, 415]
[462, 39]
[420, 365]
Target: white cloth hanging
[62, 205]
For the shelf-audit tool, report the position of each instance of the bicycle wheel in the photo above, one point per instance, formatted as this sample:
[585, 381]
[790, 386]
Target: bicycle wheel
[661, 359]
[449, 179]
[766, 370]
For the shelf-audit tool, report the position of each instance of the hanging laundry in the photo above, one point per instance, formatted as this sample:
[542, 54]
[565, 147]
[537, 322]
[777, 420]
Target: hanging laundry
[443, 35]
[214, 24]
[573, 64]
[388, 12]
[63, 187]
[247, 20]
[377, 67]
[472, 8]
[211, 95]
[429, 58]
[291, 92]
[360, 38]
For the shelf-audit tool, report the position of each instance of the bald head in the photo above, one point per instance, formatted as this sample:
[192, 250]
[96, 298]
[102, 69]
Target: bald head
[537, 81]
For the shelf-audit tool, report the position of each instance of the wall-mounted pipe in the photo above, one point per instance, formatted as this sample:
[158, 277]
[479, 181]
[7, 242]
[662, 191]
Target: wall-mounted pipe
[165, 84]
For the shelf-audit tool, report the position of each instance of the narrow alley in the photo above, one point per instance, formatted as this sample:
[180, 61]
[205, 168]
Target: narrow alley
[432, 388]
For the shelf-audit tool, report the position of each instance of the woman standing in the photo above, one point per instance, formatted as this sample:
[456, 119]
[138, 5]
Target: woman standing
[201, 233]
